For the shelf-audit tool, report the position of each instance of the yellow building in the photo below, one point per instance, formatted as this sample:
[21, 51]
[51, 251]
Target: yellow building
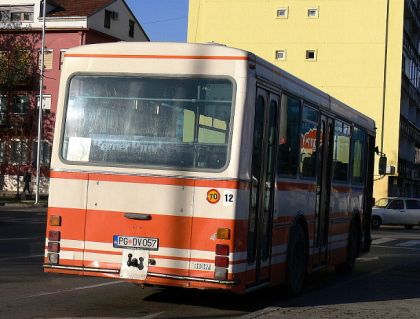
[363, 52]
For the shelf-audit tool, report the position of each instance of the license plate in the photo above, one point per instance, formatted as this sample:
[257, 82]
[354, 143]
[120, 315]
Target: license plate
[145, 243]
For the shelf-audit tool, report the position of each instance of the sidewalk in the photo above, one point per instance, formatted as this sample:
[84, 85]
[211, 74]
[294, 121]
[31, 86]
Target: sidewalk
[387, 309]
[25, 201]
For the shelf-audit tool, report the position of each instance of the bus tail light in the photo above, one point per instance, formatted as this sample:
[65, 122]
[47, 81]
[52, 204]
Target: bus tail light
[55, 220]
[54, 235]
[222, 250]
[53, 247]
[223, 233]
[53, 258]
[222, 261]
[220, 273]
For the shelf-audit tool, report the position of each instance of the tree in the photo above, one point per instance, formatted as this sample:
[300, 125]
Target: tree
[18, 61]
[19, 78]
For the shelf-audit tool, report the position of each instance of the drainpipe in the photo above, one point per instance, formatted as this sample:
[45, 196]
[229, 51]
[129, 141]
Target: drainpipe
[385, 77]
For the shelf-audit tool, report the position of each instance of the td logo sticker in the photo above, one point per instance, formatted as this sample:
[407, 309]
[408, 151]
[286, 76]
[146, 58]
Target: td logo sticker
[213, 196]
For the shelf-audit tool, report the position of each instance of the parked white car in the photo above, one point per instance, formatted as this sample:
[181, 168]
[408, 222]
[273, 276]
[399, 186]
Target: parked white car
[396, 211]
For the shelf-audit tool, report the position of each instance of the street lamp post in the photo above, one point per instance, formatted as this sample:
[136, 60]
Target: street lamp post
[41, 88]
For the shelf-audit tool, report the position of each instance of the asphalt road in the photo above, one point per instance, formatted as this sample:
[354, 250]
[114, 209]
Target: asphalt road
[385, 284]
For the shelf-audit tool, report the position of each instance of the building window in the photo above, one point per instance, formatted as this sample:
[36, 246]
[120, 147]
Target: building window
[3, 103]
[311, 55]
[62, 53]
[417, 156]
[21, 104]
[17, 13]
[406, 65]
[281, 55]
[2, 147]
[107, 20]
[3, 109]
[45, 156]
[312, 13]
[48, 59]
[19, 152]
[131, 28]
[46, 103]
[283, 13]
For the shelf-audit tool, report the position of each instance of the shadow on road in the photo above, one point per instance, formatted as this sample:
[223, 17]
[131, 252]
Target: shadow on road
[396, 282]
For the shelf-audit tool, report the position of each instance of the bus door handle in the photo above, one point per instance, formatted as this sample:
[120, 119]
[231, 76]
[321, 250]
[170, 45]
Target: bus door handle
[138, 216]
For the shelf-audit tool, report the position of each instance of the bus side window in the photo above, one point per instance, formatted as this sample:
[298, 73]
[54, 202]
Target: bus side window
[341, 154]
[288, 150]
[308, 136]
[358, 141]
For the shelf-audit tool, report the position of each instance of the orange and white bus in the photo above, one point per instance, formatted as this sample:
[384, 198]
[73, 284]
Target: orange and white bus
[203, 166]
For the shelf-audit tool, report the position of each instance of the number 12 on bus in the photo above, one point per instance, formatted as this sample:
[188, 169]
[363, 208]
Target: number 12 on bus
[203, 166]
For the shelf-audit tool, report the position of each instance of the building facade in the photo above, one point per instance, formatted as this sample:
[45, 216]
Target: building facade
[365, 53]
[69, 23]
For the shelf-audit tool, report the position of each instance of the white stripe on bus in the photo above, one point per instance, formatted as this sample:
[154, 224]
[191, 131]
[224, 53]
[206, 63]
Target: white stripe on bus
[163, 251]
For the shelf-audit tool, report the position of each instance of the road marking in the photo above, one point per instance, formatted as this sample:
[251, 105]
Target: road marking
[382, 241]
[41, 294]
[409, 243]
[152, 316]
[367, 258]
[20, 238]
[21, 257]
[394, 247]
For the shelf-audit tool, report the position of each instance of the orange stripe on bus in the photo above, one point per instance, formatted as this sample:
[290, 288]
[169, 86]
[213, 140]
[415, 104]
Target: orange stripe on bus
[69, 175]
[222, 184]
[283, 186]
[340, 189]
[66, 271]
[232, 184]
[153, 56]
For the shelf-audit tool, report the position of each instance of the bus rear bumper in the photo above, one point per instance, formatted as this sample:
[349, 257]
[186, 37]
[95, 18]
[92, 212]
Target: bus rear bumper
[114, 273]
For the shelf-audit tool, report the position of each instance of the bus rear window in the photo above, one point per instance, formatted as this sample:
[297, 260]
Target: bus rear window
[180, 123]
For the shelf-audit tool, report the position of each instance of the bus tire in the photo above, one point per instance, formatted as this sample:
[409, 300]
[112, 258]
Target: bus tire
[296, 260]
[347, 267]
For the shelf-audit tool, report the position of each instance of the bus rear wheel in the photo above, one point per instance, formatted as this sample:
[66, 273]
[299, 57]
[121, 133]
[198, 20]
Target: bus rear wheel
[296, 260]
[352, 252]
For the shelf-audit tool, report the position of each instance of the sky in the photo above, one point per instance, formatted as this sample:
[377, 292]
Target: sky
[163, 20]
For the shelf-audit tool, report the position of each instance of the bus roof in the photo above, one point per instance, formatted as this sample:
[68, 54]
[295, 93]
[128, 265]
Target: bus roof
[160, 49]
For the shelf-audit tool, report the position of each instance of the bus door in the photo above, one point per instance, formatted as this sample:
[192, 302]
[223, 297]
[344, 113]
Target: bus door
[323, 190]
[263, 186]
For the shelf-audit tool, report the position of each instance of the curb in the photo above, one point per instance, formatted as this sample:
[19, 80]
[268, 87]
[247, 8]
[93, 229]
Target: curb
[23, 204]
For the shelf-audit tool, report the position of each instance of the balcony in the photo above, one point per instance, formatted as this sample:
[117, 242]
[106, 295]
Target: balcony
[409, 47]
[409, 130]
[413, 7]
[408, 169]
[411, 90]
